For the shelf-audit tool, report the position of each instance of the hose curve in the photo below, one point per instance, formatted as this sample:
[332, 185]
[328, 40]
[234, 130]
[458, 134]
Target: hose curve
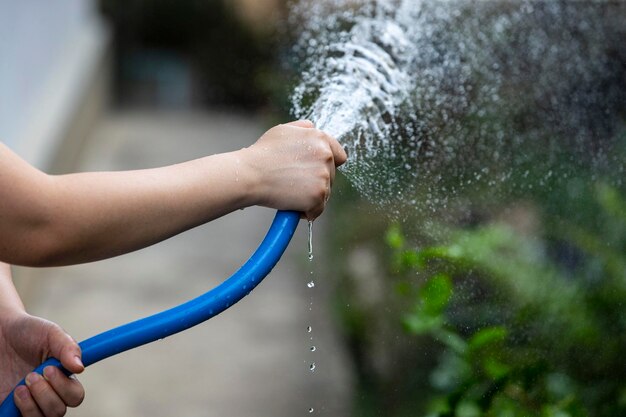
[187, 315]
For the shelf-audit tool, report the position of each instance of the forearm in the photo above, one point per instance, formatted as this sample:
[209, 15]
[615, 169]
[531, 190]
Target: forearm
[56, 220]
[9, 299]
[89, 216]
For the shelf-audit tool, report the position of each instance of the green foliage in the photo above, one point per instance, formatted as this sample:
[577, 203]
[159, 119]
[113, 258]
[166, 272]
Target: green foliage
[551, 342]
[493, 318]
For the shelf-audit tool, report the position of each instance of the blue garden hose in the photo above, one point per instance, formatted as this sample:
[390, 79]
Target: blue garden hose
[187, 315]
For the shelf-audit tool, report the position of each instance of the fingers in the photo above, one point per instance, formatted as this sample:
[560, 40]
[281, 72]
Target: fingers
[44, 395]
[66, 350]
[336, 157]
[339, 154]
[48, 395]
[69, 390]
[294, 153]
[322, 195]
[26, 403]
[315, 212]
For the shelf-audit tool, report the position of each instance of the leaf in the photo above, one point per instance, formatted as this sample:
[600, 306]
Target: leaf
[411, 259]
[495, 369]
[467, 409]
[394, 237]
[452, 340]
[451, 373]
[419, 323]
[611, 201]
[436, 294]
[487, 336]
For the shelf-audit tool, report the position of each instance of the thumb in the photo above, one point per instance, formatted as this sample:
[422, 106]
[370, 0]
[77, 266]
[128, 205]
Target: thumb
[65, 349]
[301, 123]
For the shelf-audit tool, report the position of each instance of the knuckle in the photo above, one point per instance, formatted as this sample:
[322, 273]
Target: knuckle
[319, 136]
[323, 172]
[38, 386]
[325, 152]
[324, 177]
[51, 374]
[276, 129]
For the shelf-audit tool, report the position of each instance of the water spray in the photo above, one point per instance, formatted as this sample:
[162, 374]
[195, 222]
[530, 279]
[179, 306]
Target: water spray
[427, 96]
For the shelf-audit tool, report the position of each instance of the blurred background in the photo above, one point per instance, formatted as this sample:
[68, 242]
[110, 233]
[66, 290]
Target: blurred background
[501, 304]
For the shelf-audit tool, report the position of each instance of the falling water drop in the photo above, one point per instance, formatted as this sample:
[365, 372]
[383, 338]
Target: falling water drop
[310, 240]
[308, 329]
[311, 410]
[311, 284]
[313, 348]
[312, 367]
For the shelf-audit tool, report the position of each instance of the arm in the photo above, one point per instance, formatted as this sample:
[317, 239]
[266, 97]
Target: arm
[9, 299]
[56, 220]
[24, 342]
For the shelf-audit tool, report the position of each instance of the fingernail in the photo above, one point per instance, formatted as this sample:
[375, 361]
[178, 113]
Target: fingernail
[48, 372]
[78, 361]
[32, 378]
[22, 393]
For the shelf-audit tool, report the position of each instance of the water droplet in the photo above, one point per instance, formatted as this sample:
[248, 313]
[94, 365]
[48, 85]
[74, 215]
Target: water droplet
[311, 284]
[313, 348]
[312, 367]
[309, 329]
[311, 410]
[310, 240]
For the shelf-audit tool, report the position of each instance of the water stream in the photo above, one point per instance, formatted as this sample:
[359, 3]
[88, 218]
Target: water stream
[434, 99]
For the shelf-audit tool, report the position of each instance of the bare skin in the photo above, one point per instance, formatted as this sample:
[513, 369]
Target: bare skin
[60, 220]
[25, 342]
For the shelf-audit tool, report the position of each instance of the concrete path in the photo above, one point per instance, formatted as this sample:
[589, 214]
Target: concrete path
[253, 360]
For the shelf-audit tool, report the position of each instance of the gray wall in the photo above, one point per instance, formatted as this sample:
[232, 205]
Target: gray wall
[49, 52]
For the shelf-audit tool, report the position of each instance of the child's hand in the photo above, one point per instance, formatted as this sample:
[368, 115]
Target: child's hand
[25, 342]
[295, 167]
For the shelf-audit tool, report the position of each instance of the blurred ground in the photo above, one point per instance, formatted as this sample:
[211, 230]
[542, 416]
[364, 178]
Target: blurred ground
[251, 361]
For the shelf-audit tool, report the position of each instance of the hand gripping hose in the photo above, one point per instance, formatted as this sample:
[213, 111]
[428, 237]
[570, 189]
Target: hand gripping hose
[187, 315]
